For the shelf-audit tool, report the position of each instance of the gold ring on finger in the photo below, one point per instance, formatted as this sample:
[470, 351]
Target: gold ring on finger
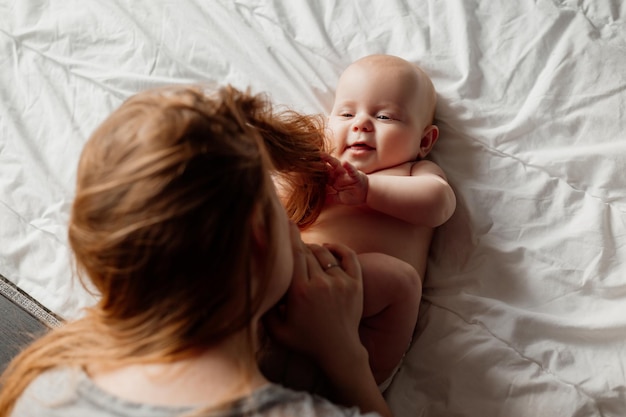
[331, 265]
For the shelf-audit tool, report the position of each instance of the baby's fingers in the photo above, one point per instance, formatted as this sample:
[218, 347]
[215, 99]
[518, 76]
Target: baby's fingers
[351, 170]
[331, 160]
[335, 168]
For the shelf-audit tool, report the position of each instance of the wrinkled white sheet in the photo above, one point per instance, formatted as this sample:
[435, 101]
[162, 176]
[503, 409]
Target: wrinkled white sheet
[524, 310]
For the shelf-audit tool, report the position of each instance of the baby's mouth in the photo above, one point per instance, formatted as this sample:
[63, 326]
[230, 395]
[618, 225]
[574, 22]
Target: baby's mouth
[360, 147]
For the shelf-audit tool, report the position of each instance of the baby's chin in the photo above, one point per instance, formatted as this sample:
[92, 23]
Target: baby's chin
[362, 166]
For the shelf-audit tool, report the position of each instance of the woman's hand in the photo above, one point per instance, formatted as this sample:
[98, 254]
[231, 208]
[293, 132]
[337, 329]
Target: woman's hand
[321, 316]
[324, 304]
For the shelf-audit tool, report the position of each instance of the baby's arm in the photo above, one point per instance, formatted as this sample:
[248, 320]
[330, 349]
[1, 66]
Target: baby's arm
[423, 198]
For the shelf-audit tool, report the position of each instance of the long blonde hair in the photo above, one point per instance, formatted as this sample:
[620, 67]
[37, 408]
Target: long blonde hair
[161, 226]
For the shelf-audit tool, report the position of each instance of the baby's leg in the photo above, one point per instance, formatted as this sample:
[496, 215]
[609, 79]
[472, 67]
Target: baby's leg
[392, 293]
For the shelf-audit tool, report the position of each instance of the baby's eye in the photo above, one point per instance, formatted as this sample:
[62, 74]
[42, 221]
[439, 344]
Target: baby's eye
[383, 117]
[346, 114]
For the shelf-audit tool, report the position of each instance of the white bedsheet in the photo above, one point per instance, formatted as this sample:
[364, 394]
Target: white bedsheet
[524, 310]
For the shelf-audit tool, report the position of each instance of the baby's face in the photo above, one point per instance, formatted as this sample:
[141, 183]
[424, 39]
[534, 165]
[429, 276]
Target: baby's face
[379, 115]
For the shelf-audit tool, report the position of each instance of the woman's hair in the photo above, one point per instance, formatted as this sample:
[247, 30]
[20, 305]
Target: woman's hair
[295, 143]
[167, 190]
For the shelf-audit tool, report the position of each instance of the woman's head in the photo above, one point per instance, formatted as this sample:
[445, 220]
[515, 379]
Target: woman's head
[170, 189]
[177, 224]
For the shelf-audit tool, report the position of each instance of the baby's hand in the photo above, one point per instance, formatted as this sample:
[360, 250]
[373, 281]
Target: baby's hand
[346, 184]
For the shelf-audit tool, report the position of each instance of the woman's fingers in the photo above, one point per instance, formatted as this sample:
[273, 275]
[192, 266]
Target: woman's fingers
[324, 259]
[324, 303]
[347, 259]
[331, 257]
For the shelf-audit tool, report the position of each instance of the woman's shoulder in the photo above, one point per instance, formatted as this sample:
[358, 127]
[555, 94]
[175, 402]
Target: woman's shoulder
[281, 402]
[70, 392]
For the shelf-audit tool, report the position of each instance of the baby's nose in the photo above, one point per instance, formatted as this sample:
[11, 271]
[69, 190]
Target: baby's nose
[363, 124]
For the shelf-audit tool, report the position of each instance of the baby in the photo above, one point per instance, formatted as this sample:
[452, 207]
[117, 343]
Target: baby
[383, 199]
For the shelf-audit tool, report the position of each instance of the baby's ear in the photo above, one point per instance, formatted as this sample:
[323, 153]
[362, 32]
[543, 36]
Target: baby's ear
[429, 137]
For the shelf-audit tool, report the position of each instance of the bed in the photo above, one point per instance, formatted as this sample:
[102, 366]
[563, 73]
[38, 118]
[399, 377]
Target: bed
[524, 307]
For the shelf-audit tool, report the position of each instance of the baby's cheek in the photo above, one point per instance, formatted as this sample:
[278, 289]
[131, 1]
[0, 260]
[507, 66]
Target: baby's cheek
[336, 134]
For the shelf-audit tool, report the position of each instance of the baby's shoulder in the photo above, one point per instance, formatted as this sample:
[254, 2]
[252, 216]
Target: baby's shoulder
[426, 167]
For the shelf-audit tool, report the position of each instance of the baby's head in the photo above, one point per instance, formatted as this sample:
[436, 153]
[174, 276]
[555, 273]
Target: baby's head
[383, 113]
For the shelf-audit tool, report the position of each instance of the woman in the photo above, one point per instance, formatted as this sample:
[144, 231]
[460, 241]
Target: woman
[177, 225]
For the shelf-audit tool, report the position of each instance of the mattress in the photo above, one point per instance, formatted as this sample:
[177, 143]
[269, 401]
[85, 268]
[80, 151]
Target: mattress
[524, 306]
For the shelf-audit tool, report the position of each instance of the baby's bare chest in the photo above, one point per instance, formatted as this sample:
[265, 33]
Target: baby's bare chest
[365, 230]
